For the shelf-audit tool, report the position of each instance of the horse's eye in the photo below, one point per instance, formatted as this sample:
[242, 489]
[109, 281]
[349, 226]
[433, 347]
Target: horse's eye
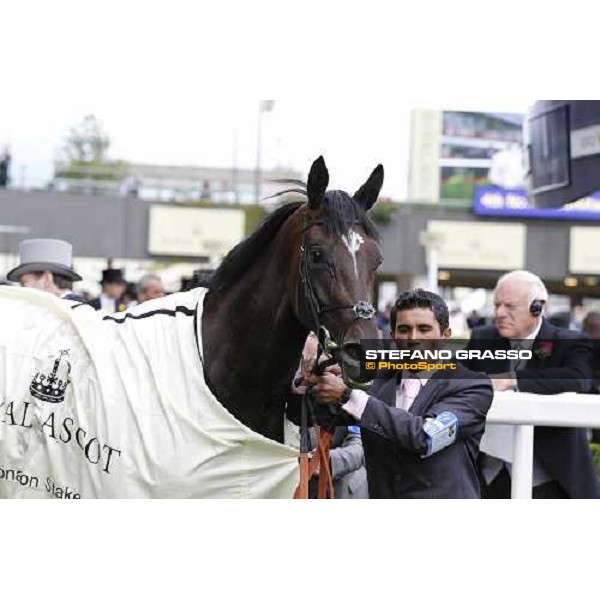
[317, 256]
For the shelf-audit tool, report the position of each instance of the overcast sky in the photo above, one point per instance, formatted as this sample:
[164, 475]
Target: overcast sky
[168, 90]
[353, 137]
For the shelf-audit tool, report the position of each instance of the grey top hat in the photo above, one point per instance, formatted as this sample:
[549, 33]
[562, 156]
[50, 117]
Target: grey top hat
[55, 256]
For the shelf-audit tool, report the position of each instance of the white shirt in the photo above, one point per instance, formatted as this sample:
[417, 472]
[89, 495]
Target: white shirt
[107, 305]
[527, 342]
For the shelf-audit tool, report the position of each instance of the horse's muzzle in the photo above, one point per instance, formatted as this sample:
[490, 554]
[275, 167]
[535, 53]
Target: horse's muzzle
[352, 360]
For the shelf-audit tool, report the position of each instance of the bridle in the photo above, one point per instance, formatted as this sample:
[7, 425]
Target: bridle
[363, 310]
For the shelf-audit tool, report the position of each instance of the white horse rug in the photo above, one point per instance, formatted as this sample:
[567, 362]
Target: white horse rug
[118, 408]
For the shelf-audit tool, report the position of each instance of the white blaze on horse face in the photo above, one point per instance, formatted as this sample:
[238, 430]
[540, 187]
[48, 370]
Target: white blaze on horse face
[353, 241]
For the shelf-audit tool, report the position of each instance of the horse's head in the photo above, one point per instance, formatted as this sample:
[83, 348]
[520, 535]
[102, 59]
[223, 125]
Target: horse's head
[339, 257]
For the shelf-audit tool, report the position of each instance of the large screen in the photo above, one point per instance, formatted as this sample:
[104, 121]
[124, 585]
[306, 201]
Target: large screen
[563, 146]
[549, 150]
[452, 152]
[493, 201]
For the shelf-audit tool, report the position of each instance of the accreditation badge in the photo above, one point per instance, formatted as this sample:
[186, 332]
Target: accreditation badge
[441, 432]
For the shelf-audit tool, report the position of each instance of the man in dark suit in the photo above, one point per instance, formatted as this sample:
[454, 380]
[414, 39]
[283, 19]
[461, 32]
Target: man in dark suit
[561, 362]
[420, 432]
[113, 288]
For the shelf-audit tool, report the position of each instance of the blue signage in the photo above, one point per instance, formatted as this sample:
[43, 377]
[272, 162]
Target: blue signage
[493, 201]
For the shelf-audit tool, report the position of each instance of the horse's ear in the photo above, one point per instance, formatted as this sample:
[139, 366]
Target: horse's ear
[368, 193]
[318, 180]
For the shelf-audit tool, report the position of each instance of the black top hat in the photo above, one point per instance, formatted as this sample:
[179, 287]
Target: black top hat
[112, 276]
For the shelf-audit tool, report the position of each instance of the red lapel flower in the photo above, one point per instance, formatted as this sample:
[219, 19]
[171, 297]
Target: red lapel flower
[545, 350]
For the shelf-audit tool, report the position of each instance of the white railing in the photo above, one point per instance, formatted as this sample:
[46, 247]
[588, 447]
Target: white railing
[525, 412]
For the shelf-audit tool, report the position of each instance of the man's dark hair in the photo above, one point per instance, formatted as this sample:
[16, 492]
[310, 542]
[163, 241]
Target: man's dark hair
[62, 283]
[422, 299]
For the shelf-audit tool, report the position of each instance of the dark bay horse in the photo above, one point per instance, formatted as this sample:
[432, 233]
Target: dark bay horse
[309, 265]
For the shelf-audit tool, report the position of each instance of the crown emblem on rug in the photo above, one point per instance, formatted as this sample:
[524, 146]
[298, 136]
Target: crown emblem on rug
[50, 384]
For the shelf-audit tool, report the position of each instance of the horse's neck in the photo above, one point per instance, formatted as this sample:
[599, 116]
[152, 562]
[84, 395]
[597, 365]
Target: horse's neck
[252, 343]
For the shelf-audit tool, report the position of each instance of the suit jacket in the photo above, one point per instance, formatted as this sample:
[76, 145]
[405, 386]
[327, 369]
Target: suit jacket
[348, 466]
[394, 440]
[74, 297]
[563, 452]
[95, 303]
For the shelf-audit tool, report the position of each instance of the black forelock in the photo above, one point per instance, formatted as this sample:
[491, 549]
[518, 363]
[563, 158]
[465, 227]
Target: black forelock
[342, 213]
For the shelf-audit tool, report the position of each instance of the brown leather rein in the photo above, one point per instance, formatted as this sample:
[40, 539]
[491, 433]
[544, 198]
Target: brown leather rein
[319, 463]
[319, 460]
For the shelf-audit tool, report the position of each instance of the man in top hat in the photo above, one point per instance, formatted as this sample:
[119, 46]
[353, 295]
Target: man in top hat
[113, 288]
[46, 265]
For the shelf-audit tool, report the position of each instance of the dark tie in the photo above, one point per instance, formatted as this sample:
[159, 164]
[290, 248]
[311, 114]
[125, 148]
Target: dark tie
[518, 364]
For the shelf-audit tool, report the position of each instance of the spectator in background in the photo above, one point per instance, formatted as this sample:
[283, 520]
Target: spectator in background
[383, 321]
[130, 297]
[458, 322]
[46, 265]
[561, 362]
[113, 289]
[5, 160]
[150, 287]
[591, 325]
[130, 187]
[573, 319]
[475, 320]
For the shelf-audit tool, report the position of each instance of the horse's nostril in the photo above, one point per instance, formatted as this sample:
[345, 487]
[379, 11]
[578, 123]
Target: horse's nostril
[353, 353]
[353, 359]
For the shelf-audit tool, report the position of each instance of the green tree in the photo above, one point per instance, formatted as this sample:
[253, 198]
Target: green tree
[85, 154]
[87, 142]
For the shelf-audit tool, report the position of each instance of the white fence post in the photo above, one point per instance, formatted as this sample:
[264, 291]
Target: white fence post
[525, 411]
[522, 468]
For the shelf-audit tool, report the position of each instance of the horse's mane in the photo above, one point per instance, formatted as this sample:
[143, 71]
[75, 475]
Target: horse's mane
[341, 213]
[239, 260]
